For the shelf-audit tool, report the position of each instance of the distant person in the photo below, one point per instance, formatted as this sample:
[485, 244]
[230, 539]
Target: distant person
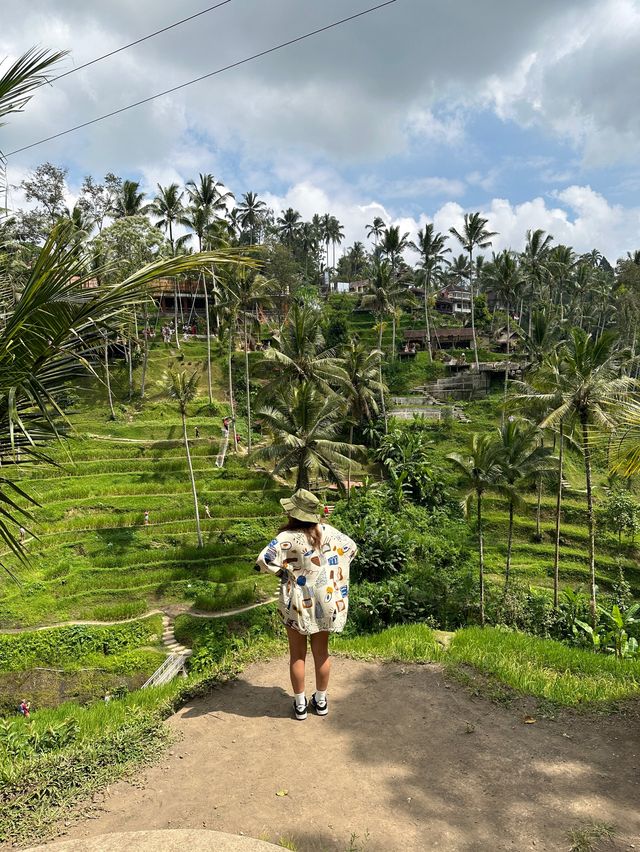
[206, 510]
[226, 423]
[197, 432]
[146, 517]
[312, 560]
[23, 534]
[25, 708]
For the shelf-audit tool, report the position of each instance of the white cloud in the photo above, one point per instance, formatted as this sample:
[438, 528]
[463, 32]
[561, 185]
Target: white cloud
[582, 218]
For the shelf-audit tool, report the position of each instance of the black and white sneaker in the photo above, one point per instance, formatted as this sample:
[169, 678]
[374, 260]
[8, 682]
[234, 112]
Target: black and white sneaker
[300, 711]
[321, 707]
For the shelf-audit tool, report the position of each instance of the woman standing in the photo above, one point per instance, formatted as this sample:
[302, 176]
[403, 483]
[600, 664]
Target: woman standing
[312, 560]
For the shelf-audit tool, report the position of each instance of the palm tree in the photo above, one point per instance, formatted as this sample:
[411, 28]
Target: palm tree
[300, 356]
[244, 293]
[129, 200]
[326, 227]
[588, 382]
[534, 261]
[209, 193]
[380, 300]
[183, 387]
[474, 235]
[336, 232]
[308, 241]
[522, 459]
[302, 424]
[504, 276]
[361, 366]
[50, 339]
[561, 263]
[393, 244]
[376, 229]
[430, 246]
[288, 226]
[167, 207]
[251, 210]
[480, 469]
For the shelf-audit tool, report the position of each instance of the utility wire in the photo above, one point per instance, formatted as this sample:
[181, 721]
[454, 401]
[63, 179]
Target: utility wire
[205, 76]
[137, 41]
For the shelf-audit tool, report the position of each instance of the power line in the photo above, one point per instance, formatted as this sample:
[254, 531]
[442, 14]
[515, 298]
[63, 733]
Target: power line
[138, 41]
[205, 76]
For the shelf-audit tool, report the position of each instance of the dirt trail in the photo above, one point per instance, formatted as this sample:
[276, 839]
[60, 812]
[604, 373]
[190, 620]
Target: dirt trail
[406, 758]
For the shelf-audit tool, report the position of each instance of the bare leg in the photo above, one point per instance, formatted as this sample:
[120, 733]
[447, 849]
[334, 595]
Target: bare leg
[297, 656]
[321, 658]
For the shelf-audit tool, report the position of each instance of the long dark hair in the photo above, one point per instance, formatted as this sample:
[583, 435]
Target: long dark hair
[310, 528]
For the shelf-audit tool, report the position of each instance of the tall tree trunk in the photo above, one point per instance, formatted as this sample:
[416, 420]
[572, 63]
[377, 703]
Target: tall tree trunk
[302, 478]
[481, 557]
[107, 376]
[473, 319]
[590, 518]
[130, 369]
[145, 352]
[427, 329]
[507, 571]
[538, 506]
[191, 476]
[349, 466]
[382, 402]
[556, 552]
[175, 311]
[506, 366]
[393, 336]
[246, 381]
[208, 333]
[232, 404]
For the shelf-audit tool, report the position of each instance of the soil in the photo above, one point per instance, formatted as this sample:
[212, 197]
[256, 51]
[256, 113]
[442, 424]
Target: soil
[407, 759]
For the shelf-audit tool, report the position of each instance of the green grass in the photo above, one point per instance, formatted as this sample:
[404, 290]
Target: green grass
[414, 643]
[545, 668]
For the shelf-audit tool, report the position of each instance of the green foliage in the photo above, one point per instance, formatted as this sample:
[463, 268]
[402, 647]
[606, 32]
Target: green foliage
[70, 645]
[620, 513]
[413, 643]
[377, 605]
[614, 630]
[405, 454]
[546, 668]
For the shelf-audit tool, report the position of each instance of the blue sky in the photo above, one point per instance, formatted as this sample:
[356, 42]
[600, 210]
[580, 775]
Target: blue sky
[417, 112]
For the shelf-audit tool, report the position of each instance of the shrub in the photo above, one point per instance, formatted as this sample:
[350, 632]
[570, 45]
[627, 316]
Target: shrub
[375, 606]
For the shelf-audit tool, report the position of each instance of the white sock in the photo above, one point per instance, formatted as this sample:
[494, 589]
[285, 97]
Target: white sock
[321, 697]
[300, 699]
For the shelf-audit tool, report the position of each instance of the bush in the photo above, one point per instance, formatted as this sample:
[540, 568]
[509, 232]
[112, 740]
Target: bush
[375, 606]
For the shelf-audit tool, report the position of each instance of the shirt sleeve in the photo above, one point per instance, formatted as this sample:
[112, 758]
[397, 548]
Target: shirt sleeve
[348, 544]
[269, 559]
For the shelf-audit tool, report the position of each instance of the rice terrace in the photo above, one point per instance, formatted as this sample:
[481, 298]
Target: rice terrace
[320, 426]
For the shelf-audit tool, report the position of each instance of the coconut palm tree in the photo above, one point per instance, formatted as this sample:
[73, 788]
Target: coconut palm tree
[183, 388]
[361, 366]
[244, 294]
[288, 226]
[129, 201]
[300, 356]
[302, 425]
[167, 207]
[522, 459]
[376, 229]
[209, 193]
[251, 210]
[534, 262]
[474, 235]
[336, 232]
[480, 471]
[504, 277]
[430, 247]
[393, 244]
[326, 228]
[588, 384]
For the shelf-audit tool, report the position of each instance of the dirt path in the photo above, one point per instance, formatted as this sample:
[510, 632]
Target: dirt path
[406, 758]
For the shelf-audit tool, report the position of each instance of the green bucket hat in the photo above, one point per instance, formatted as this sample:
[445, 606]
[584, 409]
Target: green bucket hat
[303, 505]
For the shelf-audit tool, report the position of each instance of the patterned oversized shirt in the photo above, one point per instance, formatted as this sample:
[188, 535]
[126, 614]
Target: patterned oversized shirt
[314, 585]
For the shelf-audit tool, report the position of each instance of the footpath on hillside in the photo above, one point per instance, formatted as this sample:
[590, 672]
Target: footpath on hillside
[407, 759]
